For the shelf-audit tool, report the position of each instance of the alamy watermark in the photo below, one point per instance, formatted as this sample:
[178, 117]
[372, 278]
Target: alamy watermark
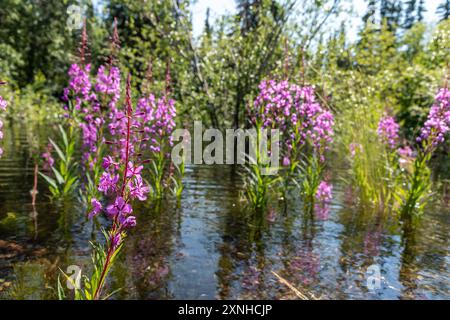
[73, 273]
[239, 146]
[75, 17]
[373, 274]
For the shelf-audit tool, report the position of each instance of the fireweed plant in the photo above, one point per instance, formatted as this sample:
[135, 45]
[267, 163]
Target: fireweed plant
[122, 183]
[388, 135]
[158, 118]
[376, 163]
[62, 178]
[416, 193]
[100, 118]
[368, 135]
[113, 141]
[401, 178]
[306, 133]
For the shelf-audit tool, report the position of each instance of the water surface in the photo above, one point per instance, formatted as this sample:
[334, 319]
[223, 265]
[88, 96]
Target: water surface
[209, 247]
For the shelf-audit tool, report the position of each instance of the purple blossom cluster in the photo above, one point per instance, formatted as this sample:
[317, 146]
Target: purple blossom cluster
[388, 131]
[295, 111]
[95, 102]
[121, 181]
[405, 152]
[158, 118]
[438, 120]
[79, 89]
[108, 85]
[3, 105]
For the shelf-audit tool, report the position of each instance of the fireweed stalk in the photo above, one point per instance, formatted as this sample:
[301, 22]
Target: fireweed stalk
[100, 112]
[374, 159]
[388, 131]
[431, 136]
[91, 105]
[388, 135]
[122, 183]
[158, 119]
[78, 97]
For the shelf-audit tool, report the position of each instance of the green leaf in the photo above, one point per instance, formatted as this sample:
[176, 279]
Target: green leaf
[111, 294]
[61, 293]
[58, 150]
[64, 136]
[50, 181]
[59, 177]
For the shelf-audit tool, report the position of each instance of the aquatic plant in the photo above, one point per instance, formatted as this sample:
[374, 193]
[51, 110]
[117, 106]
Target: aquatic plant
[123, 183]
[416, 193]
[389, 169]
[370, 138]
[388, 131]
[158, 122]
[101, 113]
[61, 175]
[306, 131]
[77, 96]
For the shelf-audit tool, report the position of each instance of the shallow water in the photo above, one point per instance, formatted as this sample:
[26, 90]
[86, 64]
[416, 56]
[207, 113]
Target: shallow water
[209, 247]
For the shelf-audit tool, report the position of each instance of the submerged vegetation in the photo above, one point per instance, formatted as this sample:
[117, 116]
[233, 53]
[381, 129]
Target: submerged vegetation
[371, 114]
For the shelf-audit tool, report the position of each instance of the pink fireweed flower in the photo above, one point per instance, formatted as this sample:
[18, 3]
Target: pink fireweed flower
[79, 85]
[116, 240]
[108, 83]
[127, 221]
[157, 119]
[405, 152]
[286, 161]
[438, 120]
[322, 132]
[388, 131]
[3, 103]
[89, 131]
[120, 207]
[324, 192]
[121, 175]
[96, 208]
[295, 112]
[139, 189]
[133, 171]
[108, 161]
[108, 182]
